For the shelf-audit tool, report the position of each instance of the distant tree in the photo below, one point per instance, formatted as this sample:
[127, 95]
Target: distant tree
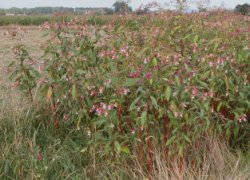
[15, 10]
[109, 11]
[146, 8]
[142, 11]
[180, 5]
[2, 12]
[202, 5]
[122, 7]
[243, 9]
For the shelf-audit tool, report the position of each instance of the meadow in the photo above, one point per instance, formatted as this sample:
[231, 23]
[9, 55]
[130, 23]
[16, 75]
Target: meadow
[158, 96]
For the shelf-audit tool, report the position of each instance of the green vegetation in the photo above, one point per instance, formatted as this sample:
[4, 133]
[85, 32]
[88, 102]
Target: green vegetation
[158, 96]
[122, 7]
[57, 18]
[24, 20]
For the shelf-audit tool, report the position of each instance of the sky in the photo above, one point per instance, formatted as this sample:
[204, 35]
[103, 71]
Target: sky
[99, 3]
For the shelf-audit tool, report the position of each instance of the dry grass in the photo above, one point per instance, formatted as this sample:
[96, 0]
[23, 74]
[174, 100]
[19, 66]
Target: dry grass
[10, 98]
[218, 163]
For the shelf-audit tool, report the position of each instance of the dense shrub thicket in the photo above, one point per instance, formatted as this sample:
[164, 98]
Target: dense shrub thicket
[168, 79]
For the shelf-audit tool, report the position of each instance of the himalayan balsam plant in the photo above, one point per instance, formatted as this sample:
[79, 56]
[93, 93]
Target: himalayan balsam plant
[169, 79]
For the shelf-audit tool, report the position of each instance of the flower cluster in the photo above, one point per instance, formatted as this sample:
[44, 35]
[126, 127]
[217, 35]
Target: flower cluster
[203, 95]
[136, 74]
[113, 54]
[103, 109]
[109, 54]
[124, 51]
[218, 62]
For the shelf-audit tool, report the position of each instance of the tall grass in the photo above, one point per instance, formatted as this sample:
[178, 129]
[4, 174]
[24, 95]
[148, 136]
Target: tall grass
[31, 150]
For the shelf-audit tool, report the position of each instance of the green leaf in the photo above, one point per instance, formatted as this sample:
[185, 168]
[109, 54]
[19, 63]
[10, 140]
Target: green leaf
[181, 150]
[203, 84]
[227, 82]
[143, 118]
[155, 63]
[142, 52]
[236, 131]
[131, 82]
[216, 47]
[34, 73]
[187, 139]
[80, 72]
[118, 147]
[125, 150]
[219, 106]
[170, 140]
[177, 81]
[196, 38]
[187, 36]
[74, 91]
[207, 122]
[49, 93]
[133, 104]
[154, 101]
[168, 93]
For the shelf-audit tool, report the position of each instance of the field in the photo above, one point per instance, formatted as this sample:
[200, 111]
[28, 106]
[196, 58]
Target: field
[23, 20]
[162, 96]
[37, 20]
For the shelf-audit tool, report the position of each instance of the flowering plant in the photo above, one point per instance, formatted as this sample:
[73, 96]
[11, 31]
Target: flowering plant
[173, 80]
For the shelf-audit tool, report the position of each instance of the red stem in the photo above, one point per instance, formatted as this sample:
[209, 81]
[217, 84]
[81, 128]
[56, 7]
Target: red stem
[120, 119]
[150, 156]
[166, 135]
[140, 148]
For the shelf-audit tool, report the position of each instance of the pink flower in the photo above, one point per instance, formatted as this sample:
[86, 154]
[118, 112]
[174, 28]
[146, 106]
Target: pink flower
[101, 89]
[93, 93]
[149, 75]
[108, 82]
[39, 157]
[210, 94]
[103, 105]
[146, 60]
[242, 118]
[124, 51]
[126, 91]
[103, 109]
[134, 75]
[40, 68]
[99, 111]
[66, 117]
[110, 107]
[195, 92]
[178, 114]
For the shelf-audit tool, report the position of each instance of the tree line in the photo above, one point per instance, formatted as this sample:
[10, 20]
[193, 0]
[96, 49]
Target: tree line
[52, 10]
[120, 7]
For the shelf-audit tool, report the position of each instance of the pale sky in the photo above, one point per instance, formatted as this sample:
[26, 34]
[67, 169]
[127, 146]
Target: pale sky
[98, 3]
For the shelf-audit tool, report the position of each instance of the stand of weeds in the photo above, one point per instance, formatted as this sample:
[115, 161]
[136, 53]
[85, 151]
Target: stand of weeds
[165, 90]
